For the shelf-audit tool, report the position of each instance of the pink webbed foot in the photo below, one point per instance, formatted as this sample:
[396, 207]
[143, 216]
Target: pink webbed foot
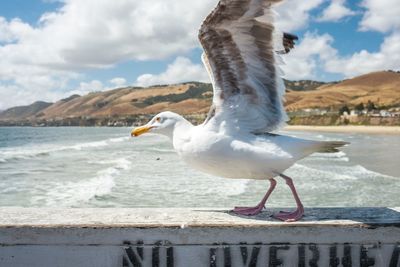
[248, 211]
[289, 216]
[298, 213]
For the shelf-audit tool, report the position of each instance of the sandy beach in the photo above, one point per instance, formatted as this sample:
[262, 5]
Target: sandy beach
[347, 129]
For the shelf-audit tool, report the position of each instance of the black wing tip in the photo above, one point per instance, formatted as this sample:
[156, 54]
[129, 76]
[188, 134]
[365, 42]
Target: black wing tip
[290, 36]
[289, 41]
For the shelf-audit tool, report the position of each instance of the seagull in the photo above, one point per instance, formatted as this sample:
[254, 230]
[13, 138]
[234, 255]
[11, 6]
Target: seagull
[237, 139]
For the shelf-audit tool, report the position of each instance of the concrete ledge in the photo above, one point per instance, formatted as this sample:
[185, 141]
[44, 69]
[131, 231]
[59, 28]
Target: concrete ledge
[198, 237]
[174, 217]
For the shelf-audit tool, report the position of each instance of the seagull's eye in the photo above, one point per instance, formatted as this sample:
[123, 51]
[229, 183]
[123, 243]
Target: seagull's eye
[158, 119]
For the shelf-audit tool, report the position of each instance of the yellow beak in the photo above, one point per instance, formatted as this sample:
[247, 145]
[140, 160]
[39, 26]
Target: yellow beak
[140, 130]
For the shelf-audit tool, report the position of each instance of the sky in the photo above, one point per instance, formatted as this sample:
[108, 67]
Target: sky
[51, 49]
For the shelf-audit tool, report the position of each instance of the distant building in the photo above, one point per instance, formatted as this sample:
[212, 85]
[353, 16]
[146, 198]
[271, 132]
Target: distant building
[356, 113]
[374, 113]
[385, 113]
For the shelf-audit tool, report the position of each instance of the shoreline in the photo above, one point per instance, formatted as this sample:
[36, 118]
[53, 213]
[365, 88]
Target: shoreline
[346, 129]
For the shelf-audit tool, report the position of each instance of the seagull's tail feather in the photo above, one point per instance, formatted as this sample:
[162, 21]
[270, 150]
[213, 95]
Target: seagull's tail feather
[331, 146]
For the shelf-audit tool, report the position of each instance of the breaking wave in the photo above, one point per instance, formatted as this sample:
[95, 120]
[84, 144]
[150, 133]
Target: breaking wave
[21, 153]
[338, 156]
[71, 194]
[336, 172]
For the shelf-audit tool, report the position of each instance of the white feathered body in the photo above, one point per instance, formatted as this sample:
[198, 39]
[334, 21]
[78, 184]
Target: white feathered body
[241, 156]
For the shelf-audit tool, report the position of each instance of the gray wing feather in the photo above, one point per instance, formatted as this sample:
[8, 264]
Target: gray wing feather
[237, 38]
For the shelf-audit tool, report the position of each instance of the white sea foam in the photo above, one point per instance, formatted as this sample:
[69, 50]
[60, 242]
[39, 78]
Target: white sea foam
[227, 187]
[161, 150]
[120, 163]
[27, 152]
[8, 189]
[338, 156]
[119, 139]
[73, 194]
[336, 172]
[87, 145]
[306, 171]
[234, 188]
[23, 153]
[361, 171]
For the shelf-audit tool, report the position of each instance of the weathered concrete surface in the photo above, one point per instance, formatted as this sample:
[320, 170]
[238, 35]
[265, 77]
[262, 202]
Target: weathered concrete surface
[198, 237]
[148, 217]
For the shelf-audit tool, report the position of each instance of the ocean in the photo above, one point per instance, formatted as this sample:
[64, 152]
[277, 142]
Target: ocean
[105, 167]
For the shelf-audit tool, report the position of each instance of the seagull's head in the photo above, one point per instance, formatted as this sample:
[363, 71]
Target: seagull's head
[163, 123]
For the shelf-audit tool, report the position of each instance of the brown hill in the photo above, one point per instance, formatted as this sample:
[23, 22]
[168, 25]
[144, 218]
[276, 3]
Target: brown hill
[185, 98]
[383, 88]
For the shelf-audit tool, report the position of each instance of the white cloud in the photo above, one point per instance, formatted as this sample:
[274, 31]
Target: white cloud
[388, 57]
[118, 82]
[382, 15]
[379, 16]
[336, 11]
[97, 86]
[295, 14]
[31, 83]
[181, 70]
[40, 61]
[89, 87]
[100, 33]
[13, 30]
[303, 61]
[316, 53]
[92, 34]
[16, 95]
[27, 90]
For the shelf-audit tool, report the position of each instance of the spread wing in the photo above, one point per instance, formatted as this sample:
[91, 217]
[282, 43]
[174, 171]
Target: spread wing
[238, 41]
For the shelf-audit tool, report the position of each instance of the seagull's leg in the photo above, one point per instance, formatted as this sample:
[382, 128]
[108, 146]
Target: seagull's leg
[298, 213]
[249, 211]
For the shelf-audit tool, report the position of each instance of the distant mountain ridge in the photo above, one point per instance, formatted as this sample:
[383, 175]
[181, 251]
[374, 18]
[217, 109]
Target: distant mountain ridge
[24, 111]
[383, 88]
